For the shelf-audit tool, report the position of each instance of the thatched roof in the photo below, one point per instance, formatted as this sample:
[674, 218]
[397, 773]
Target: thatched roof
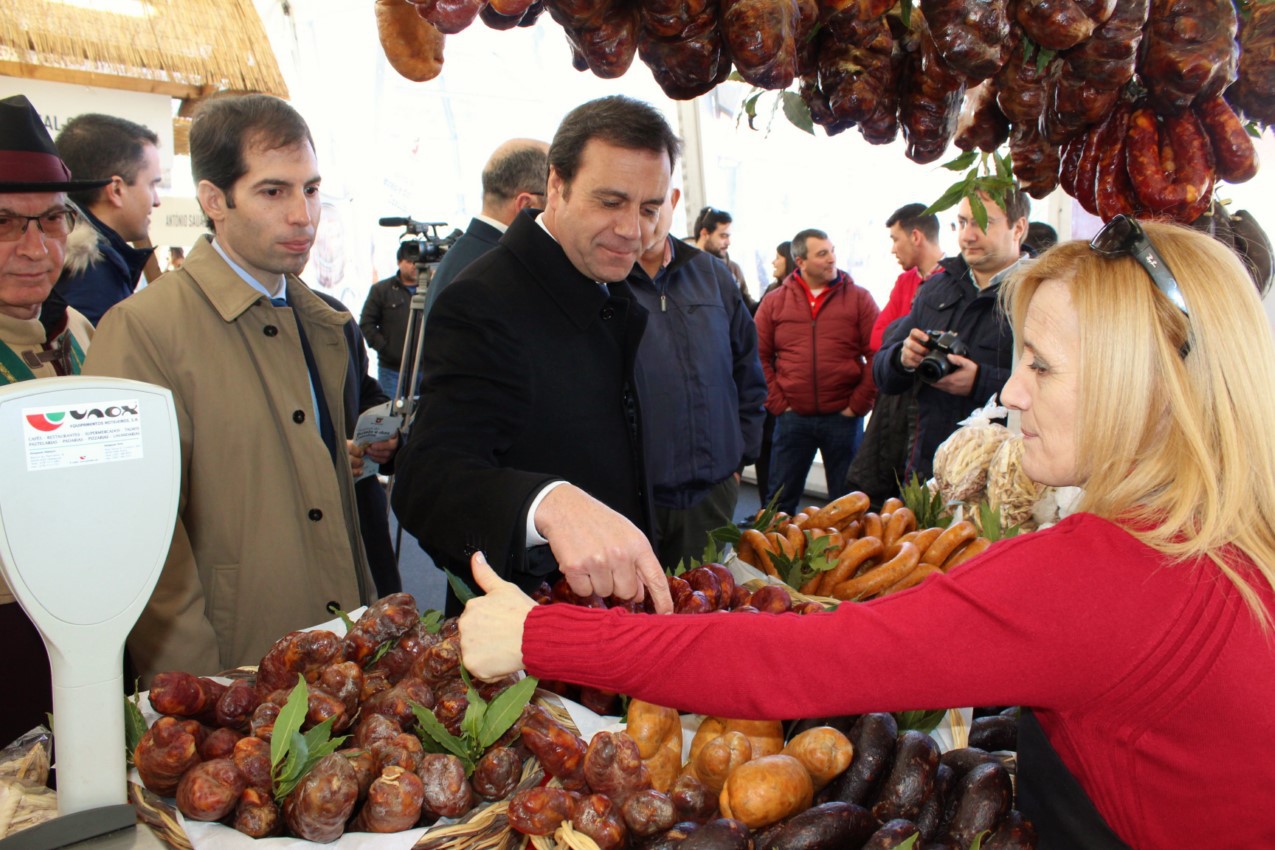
[184, 48]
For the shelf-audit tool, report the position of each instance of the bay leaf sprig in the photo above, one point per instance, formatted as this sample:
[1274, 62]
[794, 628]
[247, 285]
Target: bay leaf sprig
[293, 754]
[482, 725]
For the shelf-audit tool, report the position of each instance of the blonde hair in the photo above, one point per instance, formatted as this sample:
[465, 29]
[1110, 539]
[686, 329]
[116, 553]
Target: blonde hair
[1180, 451]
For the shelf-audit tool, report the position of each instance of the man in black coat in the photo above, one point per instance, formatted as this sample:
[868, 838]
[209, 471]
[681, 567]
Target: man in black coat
[527, 446]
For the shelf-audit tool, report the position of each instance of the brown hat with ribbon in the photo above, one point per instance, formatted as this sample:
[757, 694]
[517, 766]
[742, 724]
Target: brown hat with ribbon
[29, 161]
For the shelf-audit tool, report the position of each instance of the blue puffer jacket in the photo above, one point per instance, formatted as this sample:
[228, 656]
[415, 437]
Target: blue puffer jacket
[699, 379]
[949, 301]
[101, 269]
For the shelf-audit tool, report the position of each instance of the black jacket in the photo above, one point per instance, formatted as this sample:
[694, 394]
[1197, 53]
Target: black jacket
[949, 301]
[529, 379]
[384, 320]
[479, 238]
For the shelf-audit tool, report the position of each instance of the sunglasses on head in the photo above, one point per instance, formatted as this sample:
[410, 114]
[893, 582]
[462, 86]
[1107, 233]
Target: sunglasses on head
[1124, 237]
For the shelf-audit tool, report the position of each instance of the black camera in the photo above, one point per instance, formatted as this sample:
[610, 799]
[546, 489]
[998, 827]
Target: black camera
[935, 366]
[422, 244]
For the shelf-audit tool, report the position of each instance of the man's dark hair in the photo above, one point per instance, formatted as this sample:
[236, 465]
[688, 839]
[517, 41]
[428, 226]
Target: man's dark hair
[404, 249]
[1040, 237]
[617, 120]
[1017, 205]
[99, 147]
[911, 217]
[709, 219]
[799, 242]
[523, 169]
[225, 127]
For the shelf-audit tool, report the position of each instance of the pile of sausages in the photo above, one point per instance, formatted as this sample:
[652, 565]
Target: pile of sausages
[1072, 85]
[211, 749]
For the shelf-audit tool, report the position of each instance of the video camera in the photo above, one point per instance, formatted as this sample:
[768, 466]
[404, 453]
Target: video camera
[424, 246]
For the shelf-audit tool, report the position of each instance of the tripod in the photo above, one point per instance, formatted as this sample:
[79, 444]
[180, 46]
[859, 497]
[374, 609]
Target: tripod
[405, 399]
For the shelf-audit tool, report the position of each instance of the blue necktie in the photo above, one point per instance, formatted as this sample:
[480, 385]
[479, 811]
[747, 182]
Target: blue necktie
[316, 386]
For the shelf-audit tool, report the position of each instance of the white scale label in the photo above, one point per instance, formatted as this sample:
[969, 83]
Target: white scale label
[78, 434]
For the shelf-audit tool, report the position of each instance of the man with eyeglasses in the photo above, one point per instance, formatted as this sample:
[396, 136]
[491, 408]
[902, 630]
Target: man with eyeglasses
[513, 180]
[104, 269]
[40, 337]
[962, 297]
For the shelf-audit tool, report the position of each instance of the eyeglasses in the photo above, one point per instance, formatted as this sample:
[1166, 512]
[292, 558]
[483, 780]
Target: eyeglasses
[56, 224]
[1124, 237]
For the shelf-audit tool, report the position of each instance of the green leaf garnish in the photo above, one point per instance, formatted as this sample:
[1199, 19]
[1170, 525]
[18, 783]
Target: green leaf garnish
[505, 709]
[462, 591]
[134, 723]
[962, 162]
[345, 618]
[921, 721]
[432, 621]
[796, 111]
[292, 754]
[290, 718]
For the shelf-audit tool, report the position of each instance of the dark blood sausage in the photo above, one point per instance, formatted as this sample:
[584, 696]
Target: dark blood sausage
[972, 38]
[1070, 161]
[613, 766]
[541, 810]
[828, 826]
[600, 819]
[1036, 161]
[323, 801]
[891, 834]
[998, 731]
[561, 751]
[874, 737]
[965, 759]
[166, 751]
[719, 834]
[982, 798]
[1233, 151]
[386, 619]
[235, 707]
[393, 802]
[447, 791]
[648, 813]
[497, 773]
[911, 780]
[930, 821]
[210, 790]
[1014, 832]
[296, 654]
[257, 815]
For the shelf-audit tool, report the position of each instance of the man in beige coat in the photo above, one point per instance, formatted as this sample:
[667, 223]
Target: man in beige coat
[267, 534]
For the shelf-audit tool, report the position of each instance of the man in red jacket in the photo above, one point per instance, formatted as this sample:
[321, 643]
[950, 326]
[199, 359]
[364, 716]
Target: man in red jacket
[814, 337]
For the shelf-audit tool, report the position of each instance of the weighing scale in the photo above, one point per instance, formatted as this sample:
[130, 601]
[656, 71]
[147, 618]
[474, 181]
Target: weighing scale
[90, 474]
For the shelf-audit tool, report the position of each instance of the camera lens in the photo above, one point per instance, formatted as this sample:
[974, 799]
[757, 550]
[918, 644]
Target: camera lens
[933, 367]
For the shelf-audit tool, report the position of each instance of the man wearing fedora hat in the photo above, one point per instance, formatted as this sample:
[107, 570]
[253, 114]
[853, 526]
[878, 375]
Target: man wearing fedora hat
[40, 337]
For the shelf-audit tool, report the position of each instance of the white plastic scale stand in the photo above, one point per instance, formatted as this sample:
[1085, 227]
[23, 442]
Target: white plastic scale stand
[90, 472]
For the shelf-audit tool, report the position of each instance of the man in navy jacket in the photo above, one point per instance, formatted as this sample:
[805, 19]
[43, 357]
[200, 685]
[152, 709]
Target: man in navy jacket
[701, 386]
[962, 296]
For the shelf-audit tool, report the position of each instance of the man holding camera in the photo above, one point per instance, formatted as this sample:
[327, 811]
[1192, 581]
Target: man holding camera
[814, 336]
[956, 323]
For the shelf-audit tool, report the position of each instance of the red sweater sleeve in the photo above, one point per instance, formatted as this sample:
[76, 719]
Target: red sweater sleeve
[1126, 658]
[900, 303]
[765, 323]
